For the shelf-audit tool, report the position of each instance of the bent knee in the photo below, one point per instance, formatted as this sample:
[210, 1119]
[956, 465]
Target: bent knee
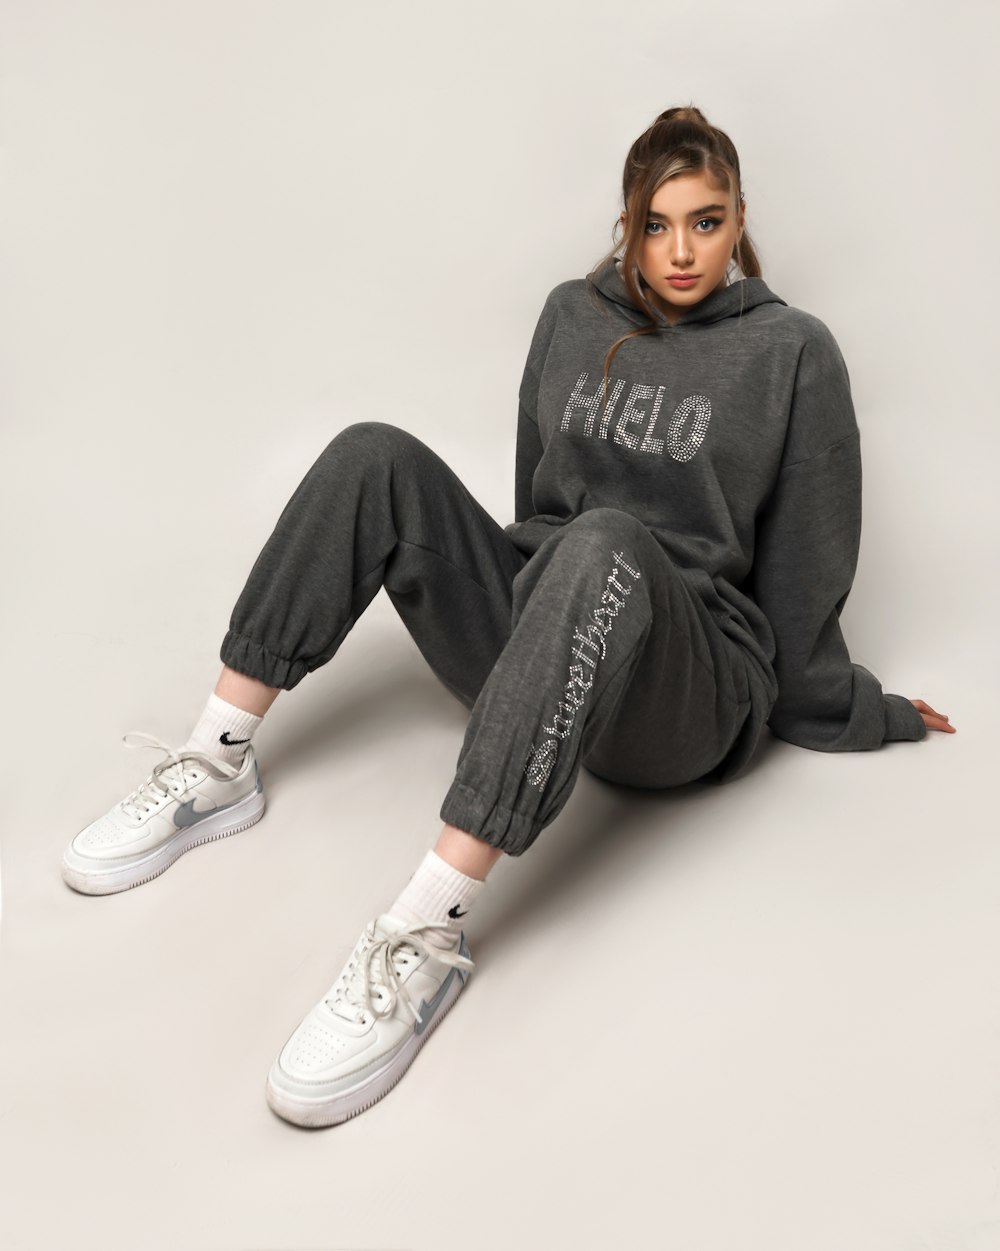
[366, 447]
[606, 546]
[598, 532]
[365, 439]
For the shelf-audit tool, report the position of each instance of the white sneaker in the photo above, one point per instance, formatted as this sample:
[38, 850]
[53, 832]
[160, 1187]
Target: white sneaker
[362, 1036]
[189, 798]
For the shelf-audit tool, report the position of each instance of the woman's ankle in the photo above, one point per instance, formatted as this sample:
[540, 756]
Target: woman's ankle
[224, 730]
[463, 851]
[244, 692]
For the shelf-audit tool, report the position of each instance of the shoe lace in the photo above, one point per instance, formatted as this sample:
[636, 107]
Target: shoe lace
[169, 774]
[373, 965]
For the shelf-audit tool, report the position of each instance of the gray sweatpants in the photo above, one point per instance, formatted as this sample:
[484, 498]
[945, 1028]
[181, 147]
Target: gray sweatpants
[590, 650]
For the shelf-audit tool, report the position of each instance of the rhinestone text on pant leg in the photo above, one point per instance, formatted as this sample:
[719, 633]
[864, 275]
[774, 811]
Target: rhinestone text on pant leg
[590, 646]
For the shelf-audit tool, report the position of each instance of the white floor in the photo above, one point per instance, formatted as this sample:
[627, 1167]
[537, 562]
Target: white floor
[757, 1016]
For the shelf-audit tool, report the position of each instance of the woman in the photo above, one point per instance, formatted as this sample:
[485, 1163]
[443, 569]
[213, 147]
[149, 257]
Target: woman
[687, 522]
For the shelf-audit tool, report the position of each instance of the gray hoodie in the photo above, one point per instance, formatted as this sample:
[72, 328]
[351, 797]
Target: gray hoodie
[732, 436]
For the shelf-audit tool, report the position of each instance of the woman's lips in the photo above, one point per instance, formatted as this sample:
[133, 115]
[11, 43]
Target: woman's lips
[683, 282]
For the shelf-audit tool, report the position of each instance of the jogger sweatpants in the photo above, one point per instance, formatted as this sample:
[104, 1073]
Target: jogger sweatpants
[589, 651]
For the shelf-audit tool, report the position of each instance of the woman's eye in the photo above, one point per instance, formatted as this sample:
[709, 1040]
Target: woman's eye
[655, 228]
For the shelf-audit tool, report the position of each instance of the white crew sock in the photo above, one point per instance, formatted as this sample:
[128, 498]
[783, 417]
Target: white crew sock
[436, 892]
[223, 730]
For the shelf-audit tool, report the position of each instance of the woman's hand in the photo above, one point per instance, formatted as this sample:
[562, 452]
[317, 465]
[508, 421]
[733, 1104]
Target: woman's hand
[933, 720]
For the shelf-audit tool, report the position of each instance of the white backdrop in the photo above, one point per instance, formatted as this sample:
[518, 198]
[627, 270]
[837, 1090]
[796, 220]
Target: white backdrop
[232, 227]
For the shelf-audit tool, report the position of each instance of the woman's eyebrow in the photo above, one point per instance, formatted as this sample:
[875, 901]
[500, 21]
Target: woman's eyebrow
[707, 208]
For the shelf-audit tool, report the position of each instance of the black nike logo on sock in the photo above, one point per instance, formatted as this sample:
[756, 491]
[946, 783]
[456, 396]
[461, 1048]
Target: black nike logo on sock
[455, 914]
[226, 741]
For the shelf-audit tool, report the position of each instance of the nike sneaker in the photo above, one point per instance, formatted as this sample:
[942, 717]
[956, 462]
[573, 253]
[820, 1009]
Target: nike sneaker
[189, 798]
[363, 1035]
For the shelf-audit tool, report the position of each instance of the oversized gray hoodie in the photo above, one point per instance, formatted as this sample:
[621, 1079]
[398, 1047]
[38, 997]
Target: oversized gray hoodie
[732, 437]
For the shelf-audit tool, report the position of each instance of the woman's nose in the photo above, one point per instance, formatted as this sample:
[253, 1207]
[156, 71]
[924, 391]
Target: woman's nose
[680, 247]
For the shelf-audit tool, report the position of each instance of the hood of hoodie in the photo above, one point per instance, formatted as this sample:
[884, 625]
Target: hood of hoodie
[739, 297]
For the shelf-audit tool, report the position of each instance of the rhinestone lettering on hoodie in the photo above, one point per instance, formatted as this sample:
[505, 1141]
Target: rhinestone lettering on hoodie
[685, 432]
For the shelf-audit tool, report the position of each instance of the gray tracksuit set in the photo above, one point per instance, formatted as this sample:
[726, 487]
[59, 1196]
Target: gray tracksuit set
[684, 542]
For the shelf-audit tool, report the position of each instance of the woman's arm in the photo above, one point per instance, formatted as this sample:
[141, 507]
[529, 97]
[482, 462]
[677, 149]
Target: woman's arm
[806, 553]
[529, 453]
[529, 442]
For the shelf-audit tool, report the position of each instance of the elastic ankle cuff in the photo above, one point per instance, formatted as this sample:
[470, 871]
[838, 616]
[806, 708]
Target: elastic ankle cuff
[246, 655]
[513, 832]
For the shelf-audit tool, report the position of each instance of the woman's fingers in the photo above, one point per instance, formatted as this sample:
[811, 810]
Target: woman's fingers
[932, 719]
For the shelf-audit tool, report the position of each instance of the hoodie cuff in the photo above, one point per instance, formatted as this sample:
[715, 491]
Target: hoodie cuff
[902, 720]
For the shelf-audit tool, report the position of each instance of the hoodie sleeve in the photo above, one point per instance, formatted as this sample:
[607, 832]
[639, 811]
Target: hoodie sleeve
[806, 554]
[529, 442]
[527, 456]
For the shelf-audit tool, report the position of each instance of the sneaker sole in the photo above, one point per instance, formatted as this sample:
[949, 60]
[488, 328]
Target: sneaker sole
[316, 1113]
[82, 875]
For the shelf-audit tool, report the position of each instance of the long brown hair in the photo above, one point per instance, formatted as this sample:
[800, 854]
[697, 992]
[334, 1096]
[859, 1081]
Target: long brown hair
[680, 141]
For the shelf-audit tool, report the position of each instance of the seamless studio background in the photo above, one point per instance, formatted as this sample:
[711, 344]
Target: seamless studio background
[762, 1016]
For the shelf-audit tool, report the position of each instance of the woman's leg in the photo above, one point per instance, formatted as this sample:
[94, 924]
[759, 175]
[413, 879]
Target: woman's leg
[612, 661]
[596, 608]
[378, 508]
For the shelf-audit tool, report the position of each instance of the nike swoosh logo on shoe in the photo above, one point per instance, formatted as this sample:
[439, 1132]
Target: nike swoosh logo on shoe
[187, 814]
[427, 1010]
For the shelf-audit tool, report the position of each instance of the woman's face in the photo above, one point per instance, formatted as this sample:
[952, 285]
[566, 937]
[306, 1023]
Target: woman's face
[691, 228]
